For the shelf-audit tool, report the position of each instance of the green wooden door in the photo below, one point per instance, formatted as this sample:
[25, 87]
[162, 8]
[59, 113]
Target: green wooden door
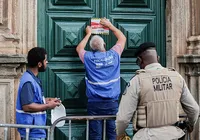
[61, 26]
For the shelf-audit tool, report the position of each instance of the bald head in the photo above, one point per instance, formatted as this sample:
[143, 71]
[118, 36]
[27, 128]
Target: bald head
[97, 43]
[147, 57]
[150, 55]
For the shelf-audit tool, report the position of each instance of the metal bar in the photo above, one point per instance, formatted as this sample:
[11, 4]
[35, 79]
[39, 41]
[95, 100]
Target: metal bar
[108, 117]
[87, 130]
[5, 133]
[188, 136]
[48, 134]
[70, 118]
[24, 126]
[52, 134]
[70, 133]
[104, 129]
[27, 133]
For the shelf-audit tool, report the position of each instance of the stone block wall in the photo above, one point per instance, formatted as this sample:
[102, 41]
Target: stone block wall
[183, 44]
[17, 35]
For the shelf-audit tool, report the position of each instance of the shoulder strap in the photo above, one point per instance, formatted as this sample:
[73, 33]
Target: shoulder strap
[171, 69]
[140, 71]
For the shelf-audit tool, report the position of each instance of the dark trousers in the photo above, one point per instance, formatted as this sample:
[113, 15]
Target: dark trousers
[96, 126]
[33, 138]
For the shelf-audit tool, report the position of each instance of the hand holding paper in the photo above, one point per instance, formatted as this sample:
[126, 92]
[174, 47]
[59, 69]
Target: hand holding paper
[89, 30]
[105, 22]
[100, 28]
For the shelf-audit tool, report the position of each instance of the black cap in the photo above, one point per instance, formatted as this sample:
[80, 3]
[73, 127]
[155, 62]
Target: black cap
[143, 47]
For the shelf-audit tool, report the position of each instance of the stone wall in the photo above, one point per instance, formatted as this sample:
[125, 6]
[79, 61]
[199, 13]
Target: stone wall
[183, 44]
[17, 35]
[11, 67]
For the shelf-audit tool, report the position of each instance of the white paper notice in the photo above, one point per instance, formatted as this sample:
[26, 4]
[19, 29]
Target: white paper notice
[97, 28]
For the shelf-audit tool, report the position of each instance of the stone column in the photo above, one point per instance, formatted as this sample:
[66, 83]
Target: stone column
[183, 44]
[11, 68]
[178, 29]
[18, 34]
[191, 64]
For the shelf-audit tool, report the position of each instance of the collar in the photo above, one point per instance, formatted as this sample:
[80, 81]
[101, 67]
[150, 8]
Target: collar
[34, 77]
[153, 66]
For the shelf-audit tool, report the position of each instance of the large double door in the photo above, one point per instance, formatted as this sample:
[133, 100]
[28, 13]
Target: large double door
[61, 26]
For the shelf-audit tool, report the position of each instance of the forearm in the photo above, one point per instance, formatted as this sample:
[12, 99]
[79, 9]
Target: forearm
[34, 107]
[119, 35]
[192, 111]
[189, 105]
[121, 127]
[195, 116]
[83, 43]
[47, 100]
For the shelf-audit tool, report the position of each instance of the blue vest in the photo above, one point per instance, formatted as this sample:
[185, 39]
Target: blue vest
[102, 75]
[27, 118]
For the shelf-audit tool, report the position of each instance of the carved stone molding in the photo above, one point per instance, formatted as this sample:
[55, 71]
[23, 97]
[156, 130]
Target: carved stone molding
[189, 59]
[193, 45]
[11, 65]
[18, 28]
[9, 39]
[190, 65]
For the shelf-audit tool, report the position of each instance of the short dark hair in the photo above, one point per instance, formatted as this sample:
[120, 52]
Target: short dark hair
[143, 47]
[36, 55]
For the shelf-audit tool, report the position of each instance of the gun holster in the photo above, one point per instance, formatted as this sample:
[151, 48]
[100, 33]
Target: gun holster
[182, 125]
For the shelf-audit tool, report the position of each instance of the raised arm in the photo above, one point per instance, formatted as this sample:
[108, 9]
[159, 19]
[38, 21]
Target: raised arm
[121, 39]
[82, 44]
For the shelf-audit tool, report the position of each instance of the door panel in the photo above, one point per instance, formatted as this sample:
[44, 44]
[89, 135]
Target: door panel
[72, 5]
[61, 26]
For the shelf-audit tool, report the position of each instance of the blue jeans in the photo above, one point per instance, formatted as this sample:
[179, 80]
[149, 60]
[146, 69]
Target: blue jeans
[96, 126]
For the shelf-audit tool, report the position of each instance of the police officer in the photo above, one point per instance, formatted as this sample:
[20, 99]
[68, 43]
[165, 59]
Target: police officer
[153, 95]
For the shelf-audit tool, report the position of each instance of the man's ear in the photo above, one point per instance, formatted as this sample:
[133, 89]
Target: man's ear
[139, 60]
[39, 64]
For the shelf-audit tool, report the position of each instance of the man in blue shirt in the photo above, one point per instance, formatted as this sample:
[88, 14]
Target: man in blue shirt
[102, 78]
[31, 105]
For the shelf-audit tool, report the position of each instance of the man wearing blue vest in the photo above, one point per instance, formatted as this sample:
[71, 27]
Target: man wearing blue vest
[102, 78]
[31, 105]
